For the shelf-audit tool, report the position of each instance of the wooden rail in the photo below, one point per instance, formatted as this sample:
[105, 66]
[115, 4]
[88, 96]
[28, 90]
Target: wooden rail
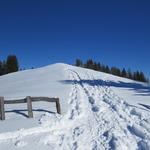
[29, 101]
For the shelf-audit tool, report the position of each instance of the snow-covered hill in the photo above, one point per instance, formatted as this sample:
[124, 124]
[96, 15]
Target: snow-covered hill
[99, 111]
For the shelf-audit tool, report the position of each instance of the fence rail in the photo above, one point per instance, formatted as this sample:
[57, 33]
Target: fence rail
[29, 101]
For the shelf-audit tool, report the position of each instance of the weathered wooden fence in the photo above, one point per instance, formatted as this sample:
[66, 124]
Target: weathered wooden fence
[29, 101]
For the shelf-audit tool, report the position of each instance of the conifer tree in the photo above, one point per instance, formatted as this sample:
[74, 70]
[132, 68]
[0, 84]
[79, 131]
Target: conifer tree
[12, 64]
[124, 73]
[95, 66]
[103, 68]
[115, 71]
[90, 64]
[138, 76]
[129, 74]
[99, 67]
[4, 67]
[78, 63]
[107, 69]
[1, 68]
[142, 77]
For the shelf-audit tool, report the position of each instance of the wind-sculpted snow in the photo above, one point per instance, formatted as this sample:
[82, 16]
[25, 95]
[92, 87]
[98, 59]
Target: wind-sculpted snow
[97, 118]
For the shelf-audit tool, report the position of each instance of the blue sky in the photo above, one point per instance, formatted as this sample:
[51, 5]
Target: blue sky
[41, 32]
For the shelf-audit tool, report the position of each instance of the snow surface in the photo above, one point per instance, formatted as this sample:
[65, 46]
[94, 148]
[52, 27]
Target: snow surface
[99, 111]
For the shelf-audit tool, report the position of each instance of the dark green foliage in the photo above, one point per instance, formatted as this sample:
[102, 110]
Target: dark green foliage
[124, 73]
[10, 65]
[99, 66]
[103, 68]
[139, 76]
[78, 63]
[95, 66]
[90, 64]
[107, 70]
[4, 68]
[129, 74]
[1, 68]
[115, 71]
[142, 77]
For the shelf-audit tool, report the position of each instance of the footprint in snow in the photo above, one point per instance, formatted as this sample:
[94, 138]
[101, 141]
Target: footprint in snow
[143, 145]
[95, 109]
[136, 131]
[91, 100]
[75, 146]
[77, 131]
[20, 143]
[136, 113]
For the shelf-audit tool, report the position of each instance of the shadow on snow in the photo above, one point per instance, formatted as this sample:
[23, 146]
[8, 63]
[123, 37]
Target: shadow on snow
[138, 88]
[22, 111]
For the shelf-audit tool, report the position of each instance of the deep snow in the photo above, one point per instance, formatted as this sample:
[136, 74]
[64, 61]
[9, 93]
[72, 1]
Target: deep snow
[99, 111]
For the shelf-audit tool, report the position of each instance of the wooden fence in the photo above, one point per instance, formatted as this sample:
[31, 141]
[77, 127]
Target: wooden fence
[29, 101]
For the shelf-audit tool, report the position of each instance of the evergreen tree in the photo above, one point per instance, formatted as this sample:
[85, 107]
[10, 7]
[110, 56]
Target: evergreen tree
[115, 71]
[138, 76]
[124, 73]
[107, 69]
[4, 67]
[103, 68]
[90, 64]
[1, 73]
[99, 67]
[118, 72]
[95, 66]
[134, 76]
[78, 63]
[12, 64]
[142, 77]
[129, 74]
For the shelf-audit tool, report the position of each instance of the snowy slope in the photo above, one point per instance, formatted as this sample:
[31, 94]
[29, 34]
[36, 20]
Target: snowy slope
[99, 111]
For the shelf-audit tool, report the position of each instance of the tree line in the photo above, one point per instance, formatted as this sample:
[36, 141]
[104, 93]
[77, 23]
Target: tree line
[9, 65]
[90, 64]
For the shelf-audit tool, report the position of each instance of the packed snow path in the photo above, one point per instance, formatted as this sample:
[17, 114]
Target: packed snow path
[97, 119]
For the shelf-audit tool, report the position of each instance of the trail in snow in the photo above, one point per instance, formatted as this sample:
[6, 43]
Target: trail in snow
[112, 118]
[97, 119]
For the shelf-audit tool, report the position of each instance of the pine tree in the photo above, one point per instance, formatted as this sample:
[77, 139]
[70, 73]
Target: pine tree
[115, 71]
[99, 67]
[1, 73]
[4, 68]
[129, 74]
[78, 63]
[138, 76]
[90, 64]
[124, 73]
[107, 69]
[103, 68]
[12, 64]
[95, 66]
[142, 77]
[118, 72]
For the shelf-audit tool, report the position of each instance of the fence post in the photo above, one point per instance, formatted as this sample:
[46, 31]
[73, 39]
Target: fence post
[29, 107]
[58, 106]
[2, 109]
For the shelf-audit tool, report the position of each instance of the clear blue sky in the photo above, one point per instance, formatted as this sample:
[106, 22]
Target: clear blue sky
[41, 32]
